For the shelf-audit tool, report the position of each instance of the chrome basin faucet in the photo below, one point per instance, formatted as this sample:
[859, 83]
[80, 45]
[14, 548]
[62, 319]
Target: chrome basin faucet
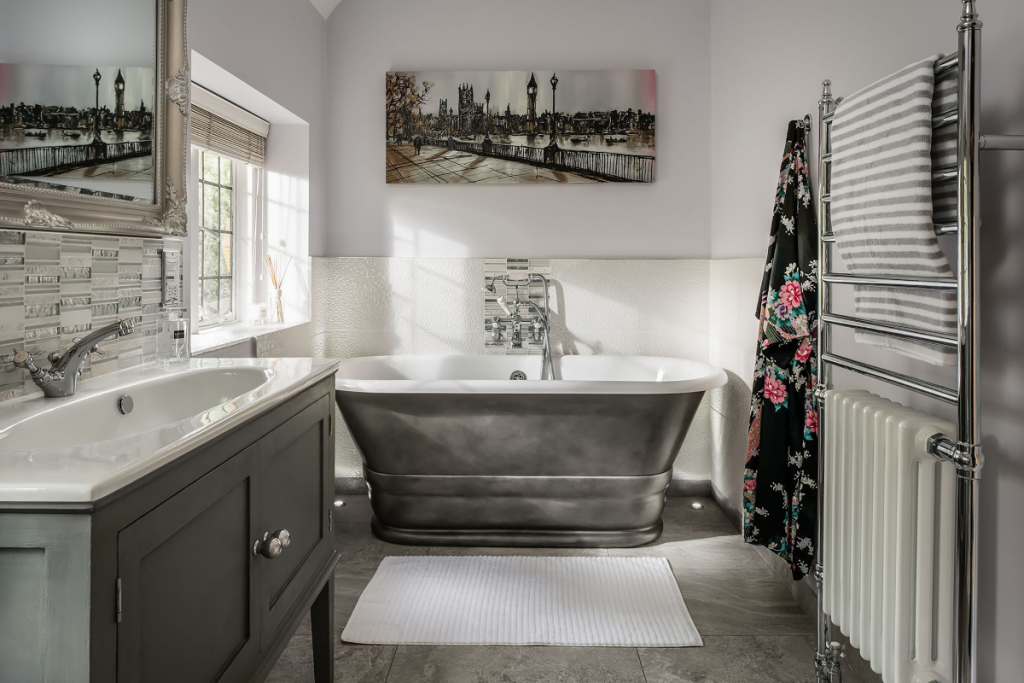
[61, 379]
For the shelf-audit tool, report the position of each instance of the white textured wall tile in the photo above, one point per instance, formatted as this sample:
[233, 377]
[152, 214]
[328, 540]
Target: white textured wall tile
[388, 306]
[694, 460]
[293, 342]
[318, 343]
[734, 287]
[682, 344]
[594, 343]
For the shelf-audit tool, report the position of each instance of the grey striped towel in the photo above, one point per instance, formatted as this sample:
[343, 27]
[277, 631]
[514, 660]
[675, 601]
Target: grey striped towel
[884, 205]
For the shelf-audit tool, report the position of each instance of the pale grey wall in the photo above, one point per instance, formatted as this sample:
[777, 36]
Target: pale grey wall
[278, 47]
[669, 219]
[768, 60]
[63, 33]
[288, 193]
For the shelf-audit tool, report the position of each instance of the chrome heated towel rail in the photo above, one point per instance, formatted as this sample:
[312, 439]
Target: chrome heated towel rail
[965, 449]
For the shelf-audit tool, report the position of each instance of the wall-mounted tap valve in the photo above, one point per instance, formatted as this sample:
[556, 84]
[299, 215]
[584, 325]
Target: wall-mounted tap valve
[517, 331]
[538, 330]
[496, 329]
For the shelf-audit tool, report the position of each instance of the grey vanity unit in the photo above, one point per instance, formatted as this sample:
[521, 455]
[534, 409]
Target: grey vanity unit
[185, 575]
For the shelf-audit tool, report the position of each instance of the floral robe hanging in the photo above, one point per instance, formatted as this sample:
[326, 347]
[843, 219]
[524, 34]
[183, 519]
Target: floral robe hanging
[779, 496]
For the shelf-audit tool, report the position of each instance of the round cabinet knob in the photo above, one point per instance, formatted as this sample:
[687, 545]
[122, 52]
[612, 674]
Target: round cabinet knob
[272, 545]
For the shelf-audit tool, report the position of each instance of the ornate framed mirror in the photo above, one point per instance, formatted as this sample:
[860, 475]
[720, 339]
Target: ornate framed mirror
[94, 102]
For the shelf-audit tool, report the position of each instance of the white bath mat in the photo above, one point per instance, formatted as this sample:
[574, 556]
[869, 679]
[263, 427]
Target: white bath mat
[601, 601]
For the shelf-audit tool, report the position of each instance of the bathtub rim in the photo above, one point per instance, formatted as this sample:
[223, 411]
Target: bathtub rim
[713, 377]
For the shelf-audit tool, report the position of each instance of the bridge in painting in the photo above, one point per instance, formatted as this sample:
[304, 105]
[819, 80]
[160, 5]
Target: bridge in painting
[58, 159]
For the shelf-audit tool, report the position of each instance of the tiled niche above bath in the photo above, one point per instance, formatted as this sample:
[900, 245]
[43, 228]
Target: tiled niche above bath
[534, 292]
[56, 286]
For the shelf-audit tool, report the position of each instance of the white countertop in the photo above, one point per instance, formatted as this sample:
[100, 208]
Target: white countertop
[86, 472]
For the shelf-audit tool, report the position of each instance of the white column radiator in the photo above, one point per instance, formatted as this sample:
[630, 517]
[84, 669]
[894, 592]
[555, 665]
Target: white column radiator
[887, 548]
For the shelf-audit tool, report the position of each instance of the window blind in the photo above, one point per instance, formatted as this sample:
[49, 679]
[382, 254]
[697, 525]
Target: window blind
[219, 135]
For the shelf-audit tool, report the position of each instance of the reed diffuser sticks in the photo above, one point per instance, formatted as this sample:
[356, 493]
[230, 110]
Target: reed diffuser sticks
[277, 280]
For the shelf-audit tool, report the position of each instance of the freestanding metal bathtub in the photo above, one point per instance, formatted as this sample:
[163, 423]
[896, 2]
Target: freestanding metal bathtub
[456, 453]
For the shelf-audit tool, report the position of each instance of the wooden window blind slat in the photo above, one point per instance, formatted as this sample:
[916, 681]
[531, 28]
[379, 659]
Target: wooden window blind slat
[224, 137]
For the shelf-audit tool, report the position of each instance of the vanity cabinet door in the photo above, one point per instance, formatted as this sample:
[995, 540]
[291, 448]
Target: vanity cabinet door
[297, 481]
[188, 578]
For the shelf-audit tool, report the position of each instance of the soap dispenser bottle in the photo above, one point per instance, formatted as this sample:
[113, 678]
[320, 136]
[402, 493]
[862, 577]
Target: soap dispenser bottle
[172, 340]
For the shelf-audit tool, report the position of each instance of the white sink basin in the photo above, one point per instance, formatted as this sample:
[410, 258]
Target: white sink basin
[159, 403]
[81, 448]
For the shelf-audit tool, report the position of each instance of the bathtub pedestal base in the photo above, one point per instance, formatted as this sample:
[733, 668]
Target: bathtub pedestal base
[629, 538]
[517, 511]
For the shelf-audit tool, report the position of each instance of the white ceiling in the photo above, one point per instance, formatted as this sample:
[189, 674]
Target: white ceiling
[325, 7]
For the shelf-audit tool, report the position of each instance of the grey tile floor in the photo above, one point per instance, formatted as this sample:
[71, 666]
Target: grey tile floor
[753, 629]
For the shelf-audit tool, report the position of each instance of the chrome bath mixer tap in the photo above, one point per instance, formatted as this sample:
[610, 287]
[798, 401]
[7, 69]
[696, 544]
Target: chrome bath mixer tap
[514, 321]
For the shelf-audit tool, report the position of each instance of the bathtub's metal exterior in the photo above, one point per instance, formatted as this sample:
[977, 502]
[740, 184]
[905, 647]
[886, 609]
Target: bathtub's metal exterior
[517, 469]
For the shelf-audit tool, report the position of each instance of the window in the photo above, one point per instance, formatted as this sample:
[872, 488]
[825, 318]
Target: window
[214, 266]
[225, 211]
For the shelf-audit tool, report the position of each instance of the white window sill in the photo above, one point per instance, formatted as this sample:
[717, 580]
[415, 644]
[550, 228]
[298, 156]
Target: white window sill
[215, 338]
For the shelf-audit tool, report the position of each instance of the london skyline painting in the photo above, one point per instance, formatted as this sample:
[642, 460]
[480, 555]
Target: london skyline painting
[446, 127]
[86, 130]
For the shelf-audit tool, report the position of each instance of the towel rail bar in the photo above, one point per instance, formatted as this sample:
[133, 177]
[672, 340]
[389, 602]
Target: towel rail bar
[899, 379]
[890, 329]
[1002, 142]
[947, 63]
[946, 173]
[945, 118]
[886, 281]
[940, 229]
[1014, 142]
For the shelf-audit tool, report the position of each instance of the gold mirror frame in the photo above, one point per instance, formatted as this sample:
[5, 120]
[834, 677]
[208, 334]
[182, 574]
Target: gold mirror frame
[32, 208]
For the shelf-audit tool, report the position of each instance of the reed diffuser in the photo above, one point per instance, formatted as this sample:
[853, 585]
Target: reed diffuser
[277, 280]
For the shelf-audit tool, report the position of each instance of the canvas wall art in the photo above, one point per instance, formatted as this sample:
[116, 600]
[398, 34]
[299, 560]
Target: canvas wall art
[447, 127]
[87, 130]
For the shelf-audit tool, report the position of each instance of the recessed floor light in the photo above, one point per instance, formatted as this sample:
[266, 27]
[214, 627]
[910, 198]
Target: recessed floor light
[339, 503]
[697, 506]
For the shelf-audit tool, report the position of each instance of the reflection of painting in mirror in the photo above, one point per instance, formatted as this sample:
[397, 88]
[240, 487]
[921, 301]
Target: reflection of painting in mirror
[87, 130]
[520, 126]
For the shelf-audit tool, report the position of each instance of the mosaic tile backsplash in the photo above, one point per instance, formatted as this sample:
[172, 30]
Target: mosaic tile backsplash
[56, 286]
[534, 292]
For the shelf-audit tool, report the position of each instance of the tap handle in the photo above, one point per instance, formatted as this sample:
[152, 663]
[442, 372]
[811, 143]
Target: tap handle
[21, 359]
[538, 330]
[95, 347]
[496, 329]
